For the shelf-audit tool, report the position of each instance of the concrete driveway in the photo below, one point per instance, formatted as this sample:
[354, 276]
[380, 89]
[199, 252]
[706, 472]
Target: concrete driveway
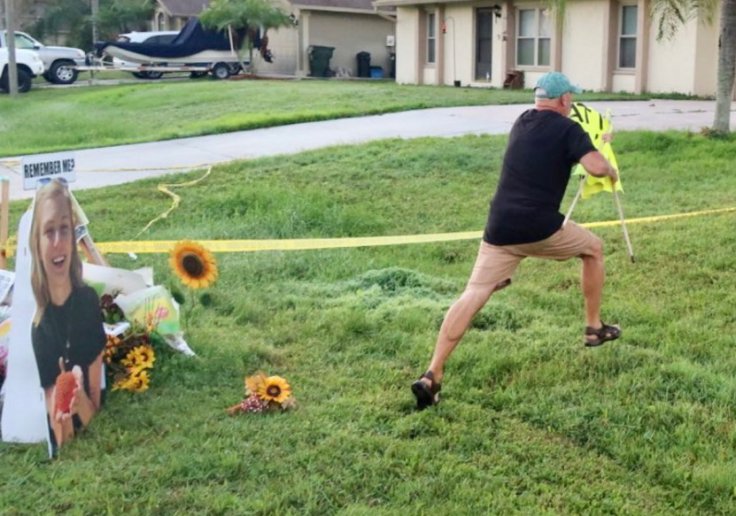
[121, 164]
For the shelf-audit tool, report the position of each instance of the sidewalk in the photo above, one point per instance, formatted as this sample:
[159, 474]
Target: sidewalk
[121, 164]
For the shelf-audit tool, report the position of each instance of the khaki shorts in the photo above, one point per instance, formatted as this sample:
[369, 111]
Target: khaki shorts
[495, 265]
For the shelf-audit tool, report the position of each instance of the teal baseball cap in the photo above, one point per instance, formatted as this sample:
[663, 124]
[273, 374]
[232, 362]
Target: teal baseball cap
[553, 85]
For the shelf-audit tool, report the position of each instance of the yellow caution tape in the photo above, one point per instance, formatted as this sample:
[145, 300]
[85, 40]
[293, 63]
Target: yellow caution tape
[246, 246]
[175, 199]
[304, 244]
[659, 218]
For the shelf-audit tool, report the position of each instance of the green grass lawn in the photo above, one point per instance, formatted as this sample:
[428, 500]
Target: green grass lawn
[531, 421]
[54, 118]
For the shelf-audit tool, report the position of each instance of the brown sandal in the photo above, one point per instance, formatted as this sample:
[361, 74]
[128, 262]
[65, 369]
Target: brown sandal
[603, 334]
[426, 395]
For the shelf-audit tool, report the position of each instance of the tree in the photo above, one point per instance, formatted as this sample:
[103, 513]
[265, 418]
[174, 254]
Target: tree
[247, 18]
[670, 15]
[120, 16]
[75, 16]
[726, 67]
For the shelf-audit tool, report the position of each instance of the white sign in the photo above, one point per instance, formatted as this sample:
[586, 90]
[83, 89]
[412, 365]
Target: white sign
[42, 166]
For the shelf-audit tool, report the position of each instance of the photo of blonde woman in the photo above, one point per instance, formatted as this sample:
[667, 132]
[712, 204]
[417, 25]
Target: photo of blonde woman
[67, 333]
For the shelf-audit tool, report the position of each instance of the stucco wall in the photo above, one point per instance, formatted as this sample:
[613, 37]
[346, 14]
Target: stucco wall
[349, 34]
[623, 81]
[588, 44]
[283, 46]
[706, 64]
[672, 62]
[584, 45]
[407, 50]
[458, 62]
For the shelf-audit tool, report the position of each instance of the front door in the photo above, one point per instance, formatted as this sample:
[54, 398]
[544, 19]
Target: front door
[483, 41]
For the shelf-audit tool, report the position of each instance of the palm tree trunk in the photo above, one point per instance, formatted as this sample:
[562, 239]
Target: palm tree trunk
[726, 67]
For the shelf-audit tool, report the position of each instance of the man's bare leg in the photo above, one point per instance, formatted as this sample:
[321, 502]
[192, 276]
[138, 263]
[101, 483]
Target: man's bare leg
[453, 328]
[456, 321]
[492, 271]
[593, 278]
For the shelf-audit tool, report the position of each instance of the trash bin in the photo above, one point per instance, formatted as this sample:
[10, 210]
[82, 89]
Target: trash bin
[319, 60]
[392, 65]
[376, 72]
[364, 64]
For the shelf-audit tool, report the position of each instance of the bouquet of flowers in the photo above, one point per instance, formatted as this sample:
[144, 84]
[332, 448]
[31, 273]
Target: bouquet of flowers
[129, 355]
[264, 393]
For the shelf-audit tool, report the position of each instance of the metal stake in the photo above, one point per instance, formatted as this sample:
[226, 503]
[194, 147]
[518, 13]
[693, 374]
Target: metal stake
[574, 202]
[623, 225]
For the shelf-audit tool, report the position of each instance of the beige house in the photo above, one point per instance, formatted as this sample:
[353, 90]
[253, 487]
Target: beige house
[173, 14]
[602, 45]
[347, 26]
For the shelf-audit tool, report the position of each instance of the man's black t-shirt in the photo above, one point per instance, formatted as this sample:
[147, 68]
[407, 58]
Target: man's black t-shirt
[543, 147]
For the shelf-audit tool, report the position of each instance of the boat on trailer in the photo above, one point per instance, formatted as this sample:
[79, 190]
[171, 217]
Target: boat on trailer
[194, 46]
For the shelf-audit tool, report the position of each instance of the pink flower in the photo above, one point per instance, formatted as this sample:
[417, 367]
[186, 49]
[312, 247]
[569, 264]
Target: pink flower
[253, 403]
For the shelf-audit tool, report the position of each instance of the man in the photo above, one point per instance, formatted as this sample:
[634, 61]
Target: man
[524, 220]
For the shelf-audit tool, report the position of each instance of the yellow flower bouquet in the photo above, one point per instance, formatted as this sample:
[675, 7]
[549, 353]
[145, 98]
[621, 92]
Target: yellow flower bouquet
[264, 393]
[128, 356]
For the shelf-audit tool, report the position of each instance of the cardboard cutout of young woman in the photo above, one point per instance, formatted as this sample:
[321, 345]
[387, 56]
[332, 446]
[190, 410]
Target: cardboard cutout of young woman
[24, 413]
[67, 331]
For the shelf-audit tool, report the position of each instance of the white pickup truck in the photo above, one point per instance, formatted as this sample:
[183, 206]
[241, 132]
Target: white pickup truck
[59, 62]
[28, 64]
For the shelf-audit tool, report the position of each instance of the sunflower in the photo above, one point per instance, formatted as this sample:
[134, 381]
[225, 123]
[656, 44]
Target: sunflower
[137, 382]
[254, 383]
[274, 388]
[140, 357]
[195, 265]
[143, 357]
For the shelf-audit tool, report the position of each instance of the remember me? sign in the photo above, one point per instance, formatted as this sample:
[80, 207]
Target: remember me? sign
[49, 166]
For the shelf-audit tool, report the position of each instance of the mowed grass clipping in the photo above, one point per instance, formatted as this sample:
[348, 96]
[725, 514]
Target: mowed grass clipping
[52, 119]
[531, 421]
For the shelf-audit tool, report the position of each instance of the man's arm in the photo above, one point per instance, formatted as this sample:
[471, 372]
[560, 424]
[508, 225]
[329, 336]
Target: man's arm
[596, 165]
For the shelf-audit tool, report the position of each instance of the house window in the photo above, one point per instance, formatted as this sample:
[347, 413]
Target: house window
[627, 37]
[533, 44]
[431, 37]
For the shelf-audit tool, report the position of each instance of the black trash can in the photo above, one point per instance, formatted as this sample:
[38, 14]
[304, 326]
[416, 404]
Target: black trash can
[364, 64]
[319, 60]
[392, 65]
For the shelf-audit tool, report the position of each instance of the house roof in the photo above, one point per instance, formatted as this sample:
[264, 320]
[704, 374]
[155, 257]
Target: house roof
[335, 5]
[194, 7]
[184, 7]
[398, 3]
